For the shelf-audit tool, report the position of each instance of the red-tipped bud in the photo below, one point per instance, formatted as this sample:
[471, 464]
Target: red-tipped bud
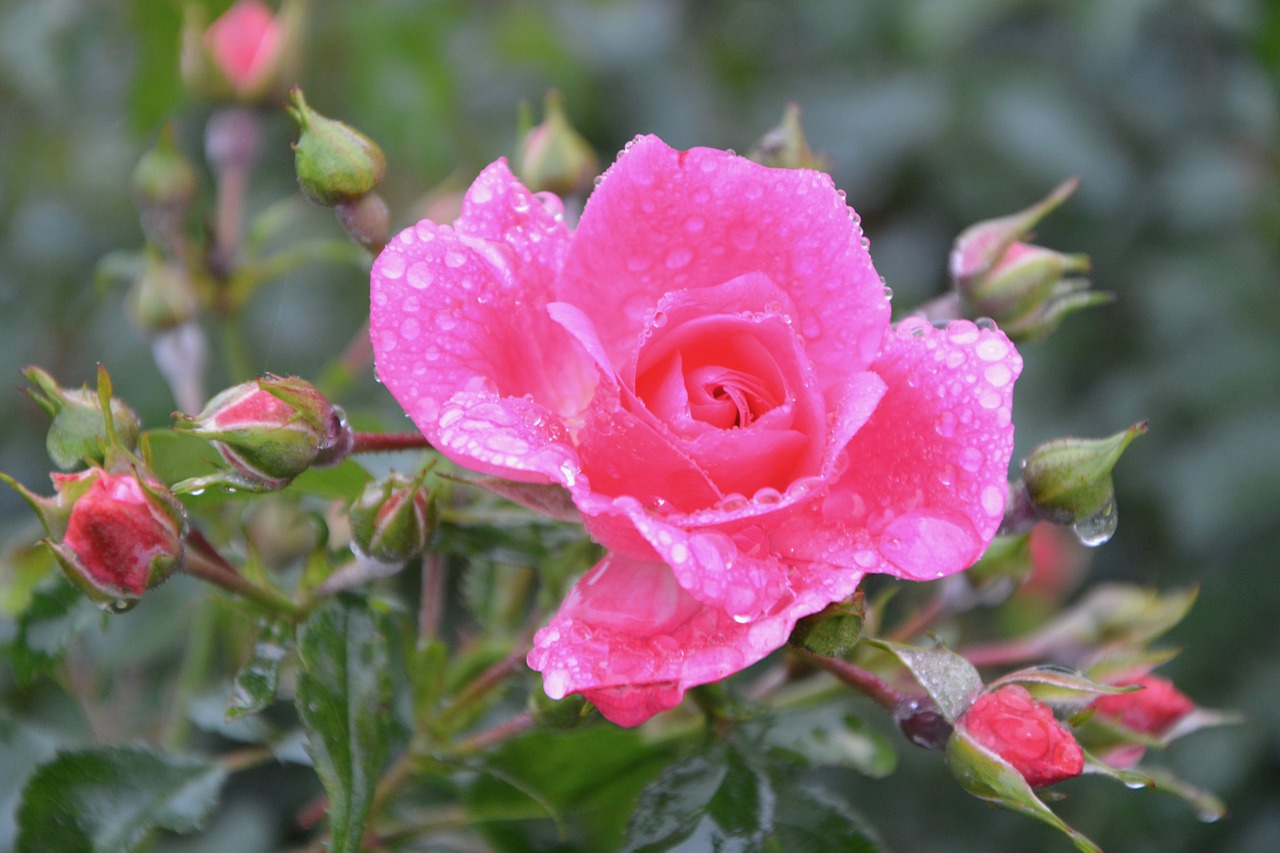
[554, 157]
[247, 55]
[119, 533]
[1023, 733]
[269, 431]
[1027, 289]
[391, 522]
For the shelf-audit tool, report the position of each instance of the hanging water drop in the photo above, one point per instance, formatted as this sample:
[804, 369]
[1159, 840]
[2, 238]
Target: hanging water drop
[1097, 529]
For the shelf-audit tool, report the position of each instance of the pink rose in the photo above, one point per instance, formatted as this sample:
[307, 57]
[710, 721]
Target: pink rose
[1154, 710]
[707, 366]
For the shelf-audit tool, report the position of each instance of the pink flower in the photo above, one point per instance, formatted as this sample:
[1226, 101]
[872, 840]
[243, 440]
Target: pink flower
[245, 45]
[707, 366]
[1023, 732]
[120, 539]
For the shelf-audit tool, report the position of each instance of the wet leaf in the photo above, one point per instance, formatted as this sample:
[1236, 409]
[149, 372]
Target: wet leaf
[950, 680]
[105, 800]
[58, 612]
[256, 683]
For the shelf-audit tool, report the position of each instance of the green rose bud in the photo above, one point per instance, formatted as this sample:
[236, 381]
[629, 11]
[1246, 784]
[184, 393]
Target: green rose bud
[78, 433]
[554, 157]
[1069, 482]
[391, 523]
[785, 146]
[335, 162]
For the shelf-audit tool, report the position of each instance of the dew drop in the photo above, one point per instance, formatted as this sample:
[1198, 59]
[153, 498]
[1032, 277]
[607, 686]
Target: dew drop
[888, 294]
[392, 265]
[659, 319]
[989, 399]
[410, 329]
[971, 459]
[679, 257]
[420, 275]
[694, 224]
[997, 374]
[946, 424]
[454, 259]
[993, 498]
[922, 545]
[992, 349]
[1098, 528]
[519, 202]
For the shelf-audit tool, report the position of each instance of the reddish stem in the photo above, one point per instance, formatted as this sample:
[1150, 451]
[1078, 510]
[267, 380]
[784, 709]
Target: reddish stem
[382, 442]
[858, 678]
[517, 725]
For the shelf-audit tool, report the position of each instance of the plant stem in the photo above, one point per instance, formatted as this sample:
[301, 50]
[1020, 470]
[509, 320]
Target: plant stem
[486, 681]
[432, 604]
[204, 562]
[857, 678]
[381, 442]
[517, 725]
[195, 664]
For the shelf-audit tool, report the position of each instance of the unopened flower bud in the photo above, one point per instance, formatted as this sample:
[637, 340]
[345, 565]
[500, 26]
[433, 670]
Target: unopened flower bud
[391, 522]
[269, 431]
[554, 157]
[117, 534]
[248, 54]
[832, 631]
[335, 162]
[1026, 289]
[1010, 724]
[785, 146]
[162, 297]
[78, 432]
[1153, 711]
[164, 183]
[1068, 481]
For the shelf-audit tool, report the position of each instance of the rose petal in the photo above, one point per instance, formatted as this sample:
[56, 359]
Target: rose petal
[927, 472]
[632, 641]
[462, 310]
[665, 220]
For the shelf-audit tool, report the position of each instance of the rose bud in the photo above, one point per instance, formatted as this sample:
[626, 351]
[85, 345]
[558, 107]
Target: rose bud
[391, 522]
[78, 431]
[1068, 481]
[785, 146]
[246, 55]
[335, 162]
[832, 631]
[554, 157]
[164, 183]
[162, 297]
[1023, 733]
[119, 533]
[1154, 711]
[270, 431]
[1026, 289]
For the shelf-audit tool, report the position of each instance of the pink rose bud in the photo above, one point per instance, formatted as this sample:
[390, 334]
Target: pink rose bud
[1153, 710]
[123, 534]
[336, 163]
[554, 157]
[1024, 734]
[269, 431]
[785, 146]
[1068, 481]
[246, 55]
[78, 432]
[1027, 289]
[391, 522]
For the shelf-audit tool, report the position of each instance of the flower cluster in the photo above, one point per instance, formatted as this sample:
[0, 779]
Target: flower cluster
[707, 366]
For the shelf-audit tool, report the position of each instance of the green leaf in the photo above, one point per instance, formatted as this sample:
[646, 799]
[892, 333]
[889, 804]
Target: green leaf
[812, 817]
[57, 613]
[256, 683]
[826, 735]
[1059, 686]
[343, 698]
[23, 748]
[21, 571]
[718, 800]
[949, 679]
[344, 481]
[111, 799]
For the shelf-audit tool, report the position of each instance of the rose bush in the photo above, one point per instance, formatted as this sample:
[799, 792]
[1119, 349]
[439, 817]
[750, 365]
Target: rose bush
[707, 366]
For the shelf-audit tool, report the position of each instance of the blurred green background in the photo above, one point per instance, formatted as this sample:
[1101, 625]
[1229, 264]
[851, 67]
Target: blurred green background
[935, 114]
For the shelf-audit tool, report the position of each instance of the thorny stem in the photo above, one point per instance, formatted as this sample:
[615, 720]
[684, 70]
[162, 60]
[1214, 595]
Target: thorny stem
[858, 678]
[381, 442]
[203, 562]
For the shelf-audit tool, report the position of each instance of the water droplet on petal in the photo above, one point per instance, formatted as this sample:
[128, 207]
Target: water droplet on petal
[679, 257]
[409, 329]
[420, 276]
[926, 546]
[971, 459]
[946, 425]
[454, 259]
